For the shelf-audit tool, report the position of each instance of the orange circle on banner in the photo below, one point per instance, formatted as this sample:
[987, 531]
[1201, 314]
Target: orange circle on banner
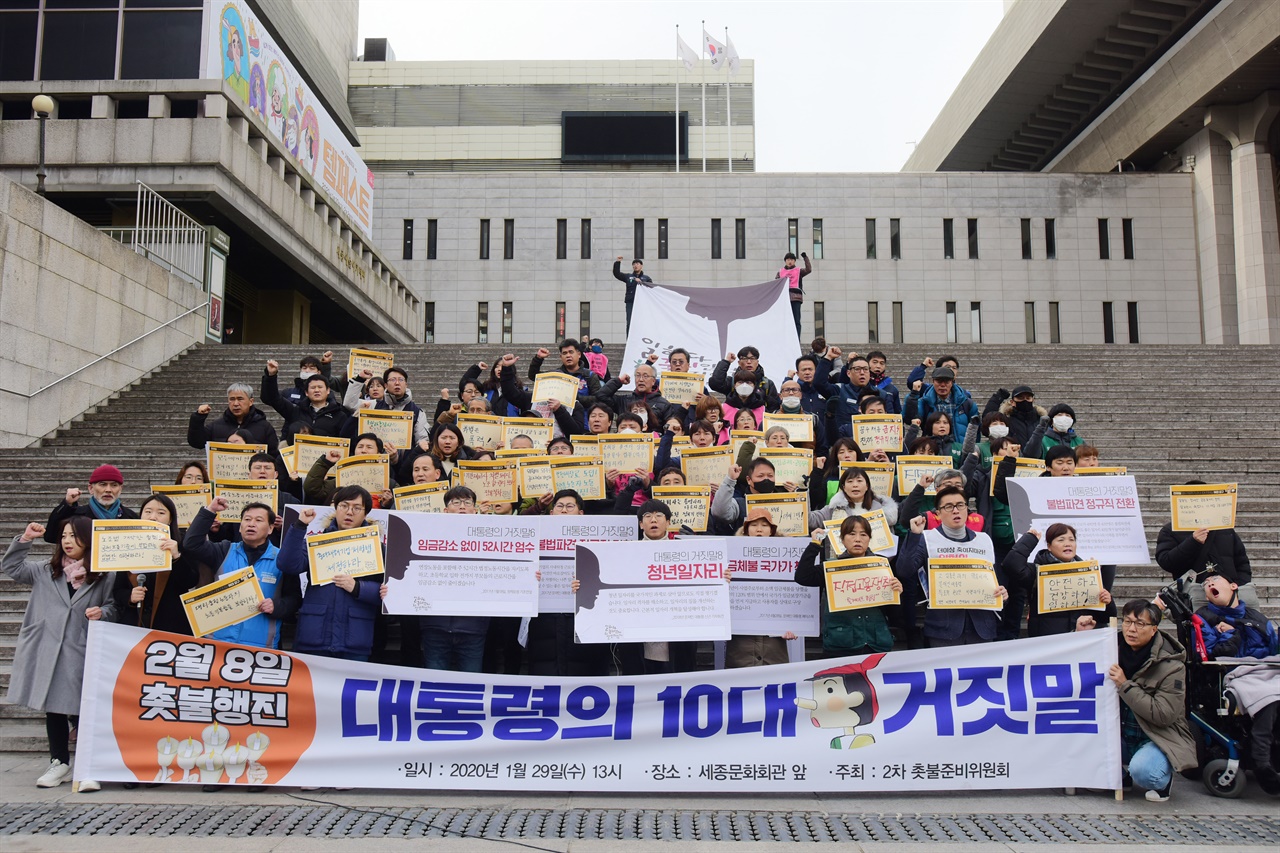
[271, 751]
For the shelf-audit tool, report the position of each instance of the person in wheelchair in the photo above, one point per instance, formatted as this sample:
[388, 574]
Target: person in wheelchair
[1229, 629]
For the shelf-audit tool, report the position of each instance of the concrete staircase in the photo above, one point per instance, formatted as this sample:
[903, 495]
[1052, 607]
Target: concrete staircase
[1169, 413]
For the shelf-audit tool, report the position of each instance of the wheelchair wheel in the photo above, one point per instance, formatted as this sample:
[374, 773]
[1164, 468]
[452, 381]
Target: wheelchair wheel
[1213, 770]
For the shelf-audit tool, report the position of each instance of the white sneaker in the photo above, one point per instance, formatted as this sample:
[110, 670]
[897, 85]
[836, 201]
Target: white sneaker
[55, 775]
[88, 786]
[1159, 796]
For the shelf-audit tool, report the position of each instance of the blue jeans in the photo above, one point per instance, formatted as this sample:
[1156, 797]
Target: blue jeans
[1150, 769]
[455, 652]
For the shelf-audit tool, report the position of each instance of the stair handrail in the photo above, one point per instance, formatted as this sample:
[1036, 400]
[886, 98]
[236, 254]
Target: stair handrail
[84, 367]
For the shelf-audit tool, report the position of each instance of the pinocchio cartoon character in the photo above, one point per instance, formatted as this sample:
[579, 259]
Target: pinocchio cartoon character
[844, 697]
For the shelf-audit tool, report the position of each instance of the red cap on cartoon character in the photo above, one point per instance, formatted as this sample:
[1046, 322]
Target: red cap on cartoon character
[859, 668]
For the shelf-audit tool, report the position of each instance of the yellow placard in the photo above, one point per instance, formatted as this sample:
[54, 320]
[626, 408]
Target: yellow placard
[799, 427]
[1069, 586]
[790, 464]
[480, 430]
[1212, 506]
[368, 359]
[309, 448]
[690, 507]
[681, 389]
[912, 468]
[1103, 471]
[424, 497]
[239, 493]
[858, 583]
[229, 600]
[288, 455]
[586, 445]
[705, 465]
[1026, 467]
[556, 386]
[187, 500]
[881, 532]
[879, 473]
[395, 428]
[228, 461]
[493, 482]
[626, 453]
[129, 545]
[539, 430]
[535, 475]
[877, 432]
[739, 437]
[371, 471]
[356, 552]
[584, 475]
[790, 511]
[962, 584]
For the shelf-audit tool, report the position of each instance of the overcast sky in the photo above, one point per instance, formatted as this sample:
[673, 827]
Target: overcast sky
[841, 86]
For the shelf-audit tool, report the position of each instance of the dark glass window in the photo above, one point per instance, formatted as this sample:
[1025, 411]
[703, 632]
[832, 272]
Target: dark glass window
[662, 239]
[406, 251]
[79, 46]
[871, 239]
[484, 243]
[638, 241]
[793, 236]
[1108, 324]
[1133, 322]
[18, 46]
[715, 239]
[160, 45]
[1104, 240]
[1026, 239]
[429, 313]
[1050, 240]
[948, 239]
[973, 239]
[817, 239]
[739, 238]
[586, 239]
[433, 233]
[1126, 233]
[508, 239]
[895, 239]
[562, 239]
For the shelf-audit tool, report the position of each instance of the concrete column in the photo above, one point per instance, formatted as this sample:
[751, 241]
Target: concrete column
[158, 106]
[102, 106]
[215, 106]
[1257, 230]
[1208, 156]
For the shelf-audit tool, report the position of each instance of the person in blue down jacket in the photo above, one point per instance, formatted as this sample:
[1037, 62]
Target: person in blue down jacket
[946, 397]
[336, 620]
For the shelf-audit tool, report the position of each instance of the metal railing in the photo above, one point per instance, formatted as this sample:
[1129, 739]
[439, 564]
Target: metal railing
[84, 367]
[166, 235]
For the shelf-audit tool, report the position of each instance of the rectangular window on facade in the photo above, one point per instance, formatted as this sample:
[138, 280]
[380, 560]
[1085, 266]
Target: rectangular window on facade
[585, 252]
[1108, 324]
[159, 45]
[482, 323]
[817, 239]
[871, 239]
[975, 322]
[1055, 332]
[406, 252]
[897, 323]
[18, 50]
[1104, 240]
[560, 321]
[793, 236]
[484, 239]
[433, 234]
[715, 239]
[1029, 320]
[562, 239]
[506, 322]
[819, 319]
[895, 239]
[739, 238]
[637, 240]
[973, 239]
[948, 239]
[1126, 234]
[1133, 322]
[508, 239]
[1050, 240]
[951, 322]
[429, 313]
[79, 46]
[1026, 239]
[873, 322]
[662, 239]
[584, 321]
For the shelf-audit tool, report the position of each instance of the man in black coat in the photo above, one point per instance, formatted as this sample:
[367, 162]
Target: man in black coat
[636, 279]
[240, 414]
[105, 485]
[316, 412]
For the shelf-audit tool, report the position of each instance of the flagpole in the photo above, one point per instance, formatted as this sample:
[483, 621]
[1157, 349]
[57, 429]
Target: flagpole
[703, 69]
[679, 62]
[728, 106]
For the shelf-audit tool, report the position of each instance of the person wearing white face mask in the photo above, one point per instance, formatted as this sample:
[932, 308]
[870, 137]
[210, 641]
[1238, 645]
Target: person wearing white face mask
[729, 382]
[994, 425]
[793, 402]
[744, 395]
[1057, 429]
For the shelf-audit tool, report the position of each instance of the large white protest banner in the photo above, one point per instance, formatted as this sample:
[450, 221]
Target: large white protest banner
[709, 322]
[1031, 713]
[651, 591]
[764, 597]
[558, 538]
[1103, 510]
[461, 565]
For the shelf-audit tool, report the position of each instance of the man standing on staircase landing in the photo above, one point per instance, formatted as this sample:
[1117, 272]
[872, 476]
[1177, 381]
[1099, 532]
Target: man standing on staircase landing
[636, 279]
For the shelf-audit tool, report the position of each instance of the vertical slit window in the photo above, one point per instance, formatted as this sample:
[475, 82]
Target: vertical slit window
[1055, 331]
[1126, 234]
[1133, 322]
[562, 239]
[584, 321]
[585, 252]
[975, 322]
[819, 319]
[948, 239]
[637, 239]
[484, 239]
[429, 314]
[715, 239]
[817, 239]
[973, 239]
[740, 238]
[508, 239]
[662, 239]
[897, 323]
[506, 322]
[895, 239]
[1108, 324]
[482, 323]
[873, 322]
[560, 322]
[1026, 239]
[871, 239]
[1050, 240]
[433, 230]
[1029, 320]
[793, 236]
[1104, 241]
[951, 322]
[406, 252]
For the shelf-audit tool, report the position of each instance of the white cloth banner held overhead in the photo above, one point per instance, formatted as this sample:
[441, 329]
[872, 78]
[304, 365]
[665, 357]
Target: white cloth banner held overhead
[1103, 510]
[1033, 713]
[709, 322]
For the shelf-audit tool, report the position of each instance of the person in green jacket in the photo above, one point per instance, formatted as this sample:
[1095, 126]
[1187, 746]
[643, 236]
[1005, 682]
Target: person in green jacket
[1057, 429]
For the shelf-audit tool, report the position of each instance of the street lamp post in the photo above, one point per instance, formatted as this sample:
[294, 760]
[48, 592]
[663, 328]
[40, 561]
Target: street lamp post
[43, 106]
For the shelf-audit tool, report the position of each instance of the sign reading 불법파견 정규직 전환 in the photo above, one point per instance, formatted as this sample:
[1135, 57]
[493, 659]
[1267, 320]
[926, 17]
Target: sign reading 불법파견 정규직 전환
[1104, 511]
[169, 708]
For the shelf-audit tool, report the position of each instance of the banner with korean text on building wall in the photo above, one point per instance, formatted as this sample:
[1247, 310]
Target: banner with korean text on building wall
[1032, 713]
[244, 54]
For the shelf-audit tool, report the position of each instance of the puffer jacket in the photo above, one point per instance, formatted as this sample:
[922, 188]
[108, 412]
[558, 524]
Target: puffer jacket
[1022, 571]
[1157, 695]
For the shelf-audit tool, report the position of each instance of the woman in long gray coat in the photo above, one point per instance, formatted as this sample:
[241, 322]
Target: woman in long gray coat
[48, 666]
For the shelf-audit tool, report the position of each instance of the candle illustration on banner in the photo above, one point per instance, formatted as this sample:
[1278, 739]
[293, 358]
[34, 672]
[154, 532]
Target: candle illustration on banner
[215, 738]
[166, 751]
[234, 760]
[257, 744]
[188, 753]
[210, 767]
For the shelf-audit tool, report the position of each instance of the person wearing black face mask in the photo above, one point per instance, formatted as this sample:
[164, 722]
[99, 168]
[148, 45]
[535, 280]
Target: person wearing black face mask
[730, 503]
[1020, 411]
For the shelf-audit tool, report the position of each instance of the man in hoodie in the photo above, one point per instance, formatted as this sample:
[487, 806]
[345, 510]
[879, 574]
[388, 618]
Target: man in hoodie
[318, 412]
[636, 279]
[748, 359]
[240, 414]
